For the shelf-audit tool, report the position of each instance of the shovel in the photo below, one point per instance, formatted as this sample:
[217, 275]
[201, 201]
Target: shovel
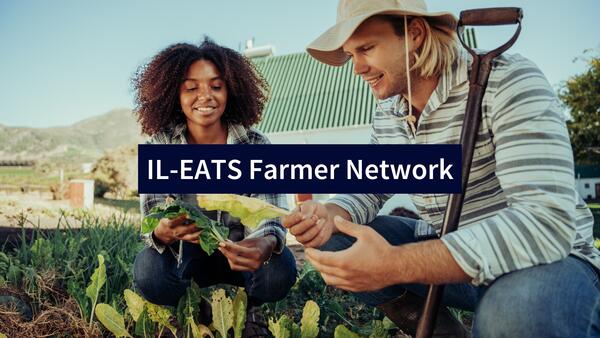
[478, 78]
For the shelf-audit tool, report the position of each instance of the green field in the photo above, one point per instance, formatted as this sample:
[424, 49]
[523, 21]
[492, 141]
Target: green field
[16, 171]
[31, 176]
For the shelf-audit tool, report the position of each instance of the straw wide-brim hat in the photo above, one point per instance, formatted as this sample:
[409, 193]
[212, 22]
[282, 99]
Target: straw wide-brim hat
[327, 48]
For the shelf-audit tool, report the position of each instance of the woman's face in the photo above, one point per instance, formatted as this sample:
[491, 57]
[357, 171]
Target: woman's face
[203, 94]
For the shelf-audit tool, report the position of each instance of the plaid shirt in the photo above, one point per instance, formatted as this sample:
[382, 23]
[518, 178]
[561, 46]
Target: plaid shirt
[521, 208]
[237, 134]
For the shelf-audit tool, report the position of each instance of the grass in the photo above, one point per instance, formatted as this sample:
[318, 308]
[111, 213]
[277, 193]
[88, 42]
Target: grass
[16, 171]
[125, 206]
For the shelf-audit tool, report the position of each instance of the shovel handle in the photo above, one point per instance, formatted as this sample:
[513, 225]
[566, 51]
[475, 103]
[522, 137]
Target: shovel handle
[491, 16]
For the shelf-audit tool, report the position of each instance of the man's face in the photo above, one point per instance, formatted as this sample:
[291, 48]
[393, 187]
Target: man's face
[378, 57]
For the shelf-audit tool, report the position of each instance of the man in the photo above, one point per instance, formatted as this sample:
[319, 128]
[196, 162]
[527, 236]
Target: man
[522, 258]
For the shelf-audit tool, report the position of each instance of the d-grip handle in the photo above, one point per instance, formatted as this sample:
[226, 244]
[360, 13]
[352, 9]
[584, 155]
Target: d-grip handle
[491, 16]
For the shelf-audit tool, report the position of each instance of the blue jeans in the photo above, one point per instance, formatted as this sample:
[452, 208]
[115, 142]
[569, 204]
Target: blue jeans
[561, 299]
[157, 277]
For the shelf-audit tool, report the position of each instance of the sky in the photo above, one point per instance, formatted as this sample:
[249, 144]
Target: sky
[62, 61]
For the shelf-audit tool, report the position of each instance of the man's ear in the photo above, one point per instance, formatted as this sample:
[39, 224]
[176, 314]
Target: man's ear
[417, 31]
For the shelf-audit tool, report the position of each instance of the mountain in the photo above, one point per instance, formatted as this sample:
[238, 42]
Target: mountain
[80, 142]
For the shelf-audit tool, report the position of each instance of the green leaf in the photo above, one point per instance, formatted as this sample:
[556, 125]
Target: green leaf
[342, 332]
[211, 235]
[112, 320]
[222, 312]
[388, 324]
[240, 303]
[2, 335]
[310, 320]
[379, 330]
[189, 304]
[97, 281]
[135, 303]
[14, 274]
[295, 330]
[280, 328]
[199, 330]
[251, 211]
[160, 315]
[149, 223]
[208, 242]
[144, 326]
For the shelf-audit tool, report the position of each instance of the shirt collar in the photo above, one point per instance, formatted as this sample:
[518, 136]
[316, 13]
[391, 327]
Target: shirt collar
[236, 134]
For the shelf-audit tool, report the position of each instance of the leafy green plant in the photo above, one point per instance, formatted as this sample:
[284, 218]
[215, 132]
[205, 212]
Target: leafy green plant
[222, 312]
[112, 320]
[285, 327]
[96, 283]
[251, 211]
[212, 232]
[240, 303]
[343, 332]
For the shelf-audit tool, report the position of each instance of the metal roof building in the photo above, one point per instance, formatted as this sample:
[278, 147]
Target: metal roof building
[308, 96]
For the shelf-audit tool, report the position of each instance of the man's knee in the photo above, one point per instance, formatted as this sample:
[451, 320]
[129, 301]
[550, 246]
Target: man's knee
[154, 280]
[396, 230]
[541, 301]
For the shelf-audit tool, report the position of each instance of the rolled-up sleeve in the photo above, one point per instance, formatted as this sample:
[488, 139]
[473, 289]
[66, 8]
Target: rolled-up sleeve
[363, 208]
[534, 166]
[271, 226]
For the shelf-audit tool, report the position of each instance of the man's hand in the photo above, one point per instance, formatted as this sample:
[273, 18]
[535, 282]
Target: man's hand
[248, 254]
[365, 266]
[170, 230]
[311, 224]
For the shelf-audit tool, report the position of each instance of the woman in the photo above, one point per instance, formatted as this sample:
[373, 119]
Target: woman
[207, 94]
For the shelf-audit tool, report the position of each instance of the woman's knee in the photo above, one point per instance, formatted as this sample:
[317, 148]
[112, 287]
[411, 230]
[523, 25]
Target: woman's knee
[154, 279]
[282, 273]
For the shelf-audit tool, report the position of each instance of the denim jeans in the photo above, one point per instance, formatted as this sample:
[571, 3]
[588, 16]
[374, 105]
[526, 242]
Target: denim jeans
[561, 299]
[157, 277]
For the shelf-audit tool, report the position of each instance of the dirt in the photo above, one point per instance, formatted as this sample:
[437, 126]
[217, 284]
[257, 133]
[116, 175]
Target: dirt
[41, 210]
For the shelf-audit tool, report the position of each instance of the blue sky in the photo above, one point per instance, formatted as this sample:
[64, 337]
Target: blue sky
[65, 60]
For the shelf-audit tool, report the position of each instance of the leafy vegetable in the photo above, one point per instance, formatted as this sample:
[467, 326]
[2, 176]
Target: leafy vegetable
[96, 283]
[112, 320]
[160, 315]
[240, 303]
[342, 332]
[379, 330]
[251, 211]
[135, 303]
[222, 312]
[310, 320]
[281, 328]
[212, 232]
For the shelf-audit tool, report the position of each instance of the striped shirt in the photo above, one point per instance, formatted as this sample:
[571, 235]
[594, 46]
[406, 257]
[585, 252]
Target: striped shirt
[237, 134]
[521, 208]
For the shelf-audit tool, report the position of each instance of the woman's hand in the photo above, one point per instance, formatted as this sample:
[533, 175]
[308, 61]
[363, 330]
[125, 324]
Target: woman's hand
[248, 254]
[170, 230]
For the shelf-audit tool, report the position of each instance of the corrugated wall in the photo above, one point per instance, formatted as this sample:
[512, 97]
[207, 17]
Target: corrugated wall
[306, 94]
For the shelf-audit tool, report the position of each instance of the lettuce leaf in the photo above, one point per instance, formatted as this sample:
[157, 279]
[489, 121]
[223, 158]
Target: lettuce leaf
[251, 211]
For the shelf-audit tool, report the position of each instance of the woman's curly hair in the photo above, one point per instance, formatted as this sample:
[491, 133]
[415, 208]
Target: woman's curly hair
[157, 84]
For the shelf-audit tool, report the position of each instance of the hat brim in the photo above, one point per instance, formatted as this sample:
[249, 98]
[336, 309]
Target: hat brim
[327, 48]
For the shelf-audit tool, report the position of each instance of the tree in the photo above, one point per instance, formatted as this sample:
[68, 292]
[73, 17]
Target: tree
[581, 94]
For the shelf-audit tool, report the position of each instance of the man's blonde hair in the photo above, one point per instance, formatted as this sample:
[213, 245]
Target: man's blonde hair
[439, 48]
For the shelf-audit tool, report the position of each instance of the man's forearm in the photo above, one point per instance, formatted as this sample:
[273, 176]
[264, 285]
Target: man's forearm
[428, 262]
